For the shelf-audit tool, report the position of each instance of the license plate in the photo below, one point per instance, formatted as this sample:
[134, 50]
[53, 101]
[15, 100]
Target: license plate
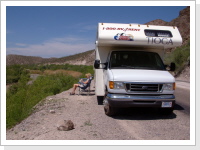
[166, 104]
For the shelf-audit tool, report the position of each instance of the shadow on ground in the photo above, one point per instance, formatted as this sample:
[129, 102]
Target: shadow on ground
[145, 113]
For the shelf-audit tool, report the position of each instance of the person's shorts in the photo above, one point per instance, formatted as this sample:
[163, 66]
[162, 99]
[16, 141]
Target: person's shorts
[81, 85]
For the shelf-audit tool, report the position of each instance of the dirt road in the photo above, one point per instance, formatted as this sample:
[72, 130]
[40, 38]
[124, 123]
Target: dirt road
[92, 124]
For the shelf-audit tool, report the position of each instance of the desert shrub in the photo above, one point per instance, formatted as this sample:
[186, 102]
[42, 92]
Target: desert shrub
[78, 68]
[13, 73]
[19, 103]
[180, 56]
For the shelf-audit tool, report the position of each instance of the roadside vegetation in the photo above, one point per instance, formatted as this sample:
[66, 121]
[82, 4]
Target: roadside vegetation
[22, 97]
[13, 73]
[180, 56]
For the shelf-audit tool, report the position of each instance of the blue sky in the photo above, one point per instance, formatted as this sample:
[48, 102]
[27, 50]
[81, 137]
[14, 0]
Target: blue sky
[58, 31]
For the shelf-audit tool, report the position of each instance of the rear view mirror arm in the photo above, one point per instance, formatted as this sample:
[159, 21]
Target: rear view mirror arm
[97, 64]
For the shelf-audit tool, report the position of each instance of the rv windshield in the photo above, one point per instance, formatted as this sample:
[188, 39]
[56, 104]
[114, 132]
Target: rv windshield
[136, 60]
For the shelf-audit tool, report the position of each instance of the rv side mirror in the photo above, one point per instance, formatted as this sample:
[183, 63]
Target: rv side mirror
[172, 67]
[106, 65]
[96, 64]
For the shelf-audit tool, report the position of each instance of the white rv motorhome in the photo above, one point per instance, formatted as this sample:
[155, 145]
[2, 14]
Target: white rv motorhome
[129, 69]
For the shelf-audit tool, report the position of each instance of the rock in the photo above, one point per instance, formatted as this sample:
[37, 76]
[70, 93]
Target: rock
[52, 111]
[66, 126]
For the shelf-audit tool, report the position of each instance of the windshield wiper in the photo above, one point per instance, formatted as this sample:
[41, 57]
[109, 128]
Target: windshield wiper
[131, 67]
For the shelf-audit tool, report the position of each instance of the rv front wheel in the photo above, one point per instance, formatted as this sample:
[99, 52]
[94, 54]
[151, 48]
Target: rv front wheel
[109, 111]
[100, 100]
[167, 111]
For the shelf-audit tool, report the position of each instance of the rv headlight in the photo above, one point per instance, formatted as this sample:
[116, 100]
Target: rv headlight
[169, 86]
[119, 85]
[116, 85]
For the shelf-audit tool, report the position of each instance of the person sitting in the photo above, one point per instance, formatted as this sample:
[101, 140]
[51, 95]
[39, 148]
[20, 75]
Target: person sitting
[82, 84]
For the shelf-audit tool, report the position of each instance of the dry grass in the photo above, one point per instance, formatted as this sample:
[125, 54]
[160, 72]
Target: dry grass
[59, 71]
[35, 72]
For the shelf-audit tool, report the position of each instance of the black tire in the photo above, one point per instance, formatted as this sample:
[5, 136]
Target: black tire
[167, 111]
[100, 100]
[109, 111]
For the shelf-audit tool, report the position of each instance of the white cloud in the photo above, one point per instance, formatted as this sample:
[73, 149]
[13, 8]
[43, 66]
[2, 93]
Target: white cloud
[90, 27]
[9, 31]
[20, 44]
[85, 27]
[69, 39]
[57, 47]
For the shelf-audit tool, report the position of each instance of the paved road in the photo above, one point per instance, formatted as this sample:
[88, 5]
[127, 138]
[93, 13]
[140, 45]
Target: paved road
[183, 84]
[182, 94]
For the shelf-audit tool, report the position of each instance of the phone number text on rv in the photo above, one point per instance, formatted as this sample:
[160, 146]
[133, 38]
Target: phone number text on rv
[120, 29]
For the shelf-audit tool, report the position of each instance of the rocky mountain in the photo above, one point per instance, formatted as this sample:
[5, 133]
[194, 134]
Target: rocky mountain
[20, 59]
[87, 58]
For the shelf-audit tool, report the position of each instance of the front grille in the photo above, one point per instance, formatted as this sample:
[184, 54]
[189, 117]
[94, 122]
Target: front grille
[132, 87]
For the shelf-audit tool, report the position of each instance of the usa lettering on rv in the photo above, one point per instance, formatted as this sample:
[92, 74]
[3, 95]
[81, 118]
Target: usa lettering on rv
[152, 40]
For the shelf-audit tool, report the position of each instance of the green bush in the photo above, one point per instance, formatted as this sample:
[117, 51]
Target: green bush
[13, 73]
[180, 56]
[80, 68]
[19, 103]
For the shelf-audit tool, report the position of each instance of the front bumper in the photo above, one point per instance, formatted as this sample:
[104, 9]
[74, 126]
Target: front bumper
[122, 100]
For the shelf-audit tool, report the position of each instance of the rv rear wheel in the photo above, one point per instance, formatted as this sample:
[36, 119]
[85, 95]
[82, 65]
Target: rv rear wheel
[109, 111]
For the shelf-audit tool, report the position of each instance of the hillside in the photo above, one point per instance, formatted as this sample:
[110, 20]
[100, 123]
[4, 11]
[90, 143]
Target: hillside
[85, 58]
[19, 59]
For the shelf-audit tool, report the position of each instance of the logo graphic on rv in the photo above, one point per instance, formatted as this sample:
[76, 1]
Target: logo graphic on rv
[124, 37]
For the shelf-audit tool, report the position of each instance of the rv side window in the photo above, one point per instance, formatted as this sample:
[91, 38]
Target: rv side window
[157, 33]
[136, 60]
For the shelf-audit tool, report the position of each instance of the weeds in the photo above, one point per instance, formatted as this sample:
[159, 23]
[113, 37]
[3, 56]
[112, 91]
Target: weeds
[180, 56]
[87, 123]
[13, 73]
[22, 97]
[61, 71]
[66, 67]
